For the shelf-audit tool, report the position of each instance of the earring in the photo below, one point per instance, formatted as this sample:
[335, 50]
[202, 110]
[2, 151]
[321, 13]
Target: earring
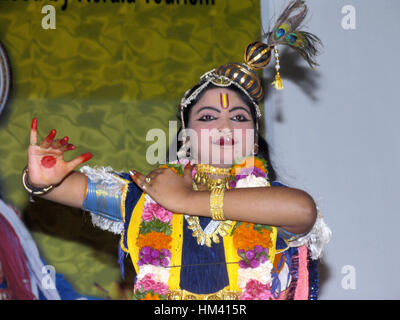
[184, 150]
[255, 149]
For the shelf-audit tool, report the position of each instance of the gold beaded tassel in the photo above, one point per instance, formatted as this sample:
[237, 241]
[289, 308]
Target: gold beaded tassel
[217, 204]
[278, 80]
[200, 178]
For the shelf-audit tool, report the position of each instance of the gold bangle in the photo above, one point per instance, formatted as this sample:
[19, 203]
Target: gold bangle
[217, 204]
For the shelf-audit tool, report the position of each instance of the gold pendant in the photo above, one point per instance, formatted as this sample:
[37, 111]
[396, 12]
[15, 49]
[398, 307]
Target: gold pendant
[208, 239]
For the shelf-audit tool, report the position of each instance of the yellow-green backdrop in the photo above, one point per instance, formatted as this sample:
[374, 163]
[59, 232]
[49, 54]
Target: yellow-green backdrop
[108, 73]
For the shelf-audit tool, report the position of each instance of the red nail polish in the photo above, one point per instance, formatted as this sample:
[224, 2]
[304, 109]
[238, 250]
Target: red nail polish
[64, 140]
[86, 156]
[51, 135]
[34, 124]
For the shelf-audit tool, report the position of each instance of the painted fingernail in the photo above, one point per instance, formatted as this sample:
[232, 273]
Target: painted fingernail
[51, 135]
[86, 156]
[64, 140]
[132, 173]
[34, 124]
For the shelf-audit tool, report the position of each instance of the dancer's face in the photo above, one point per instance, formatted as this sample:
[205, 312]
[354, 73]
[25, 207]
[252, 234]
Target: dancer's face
[222, 126]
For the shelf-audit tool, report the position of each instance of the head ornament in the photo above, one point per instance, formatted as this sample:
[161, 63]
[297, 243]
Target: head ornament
[257, 56]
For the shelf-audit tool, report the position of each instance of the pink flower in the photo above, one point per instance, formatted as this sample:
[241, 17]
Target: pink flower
[255, 290]
[149, 284]
[152, 211]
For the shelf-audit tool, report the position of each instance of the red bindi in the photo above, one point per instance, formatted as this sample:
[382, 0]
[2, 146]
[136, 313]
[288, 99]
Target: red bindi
[48, 161]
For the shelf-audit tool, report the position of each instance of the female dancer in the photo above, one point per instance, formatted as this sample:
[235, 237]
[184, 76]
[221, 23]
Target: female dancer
[213, 224]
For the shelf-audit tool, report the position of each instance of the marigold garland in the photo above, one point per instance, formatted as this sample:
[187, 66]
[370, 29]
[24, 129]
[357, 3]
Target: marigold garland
[155, 240]
[150, 296]
[248, 163]
[246, 238]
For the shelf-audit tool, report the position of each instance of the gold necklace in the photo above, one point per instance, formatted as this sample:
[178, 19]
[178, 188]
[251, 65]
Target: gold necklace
[221, 228]
[203, 172]
[206, 168]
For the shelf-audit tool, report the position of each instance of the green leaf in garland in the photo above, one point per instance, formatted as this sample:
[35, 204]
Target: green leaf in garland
[138, 295]
[264, 162]
[177, 167]
[237, 224]
[156, 226]
[261, 227]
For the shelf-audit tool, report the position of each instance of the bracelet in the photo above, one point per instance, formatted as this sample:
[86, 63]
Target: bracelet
[217, 204]
[31, 189]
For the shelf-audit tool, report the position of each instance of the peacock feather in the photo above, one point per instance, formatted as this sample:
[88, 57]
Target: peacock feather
[286, 32]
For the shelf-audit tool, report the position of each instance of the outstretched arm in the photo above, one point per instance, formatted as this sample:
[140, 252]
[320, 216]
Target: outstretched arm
[46, 166]
[292, 209]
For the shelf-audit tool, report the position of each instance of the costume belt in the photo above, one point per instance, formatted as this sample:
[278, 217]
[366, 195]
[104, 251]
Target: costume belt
[187, 295]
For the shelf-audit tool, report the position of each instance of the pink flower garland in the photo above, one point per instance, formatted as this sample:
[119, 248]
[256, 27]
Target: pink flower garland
[149, 284]
[255, 290]
[153, 211]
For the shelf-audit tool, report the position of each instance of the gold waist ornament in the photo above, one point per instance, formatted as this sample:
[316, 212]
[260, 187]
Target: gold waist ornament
[187, 295]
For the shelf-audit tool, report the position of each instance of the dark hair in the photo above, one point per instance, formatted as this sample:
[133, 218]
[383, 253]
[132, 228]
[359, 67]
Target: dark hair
[263, 149]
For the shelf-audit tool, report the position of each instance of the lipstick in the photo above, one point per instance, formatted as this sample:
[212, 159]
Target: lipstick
[226, 141]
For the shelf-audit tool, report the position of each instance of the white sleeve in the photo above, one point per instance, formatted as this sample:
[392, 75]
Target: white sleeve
[315, 239]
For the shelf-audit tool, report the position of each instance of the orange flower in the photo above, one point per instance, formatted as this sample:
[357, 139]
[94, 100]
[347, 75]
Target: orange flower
[155, 240]
[150, 296]
[164, 166]
[246, 238]
[248, 163]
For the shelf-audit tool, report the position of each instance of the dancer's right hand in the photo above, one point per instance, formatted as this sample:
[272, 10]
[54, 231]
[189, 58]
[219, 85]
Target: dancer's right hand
[46, 164]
